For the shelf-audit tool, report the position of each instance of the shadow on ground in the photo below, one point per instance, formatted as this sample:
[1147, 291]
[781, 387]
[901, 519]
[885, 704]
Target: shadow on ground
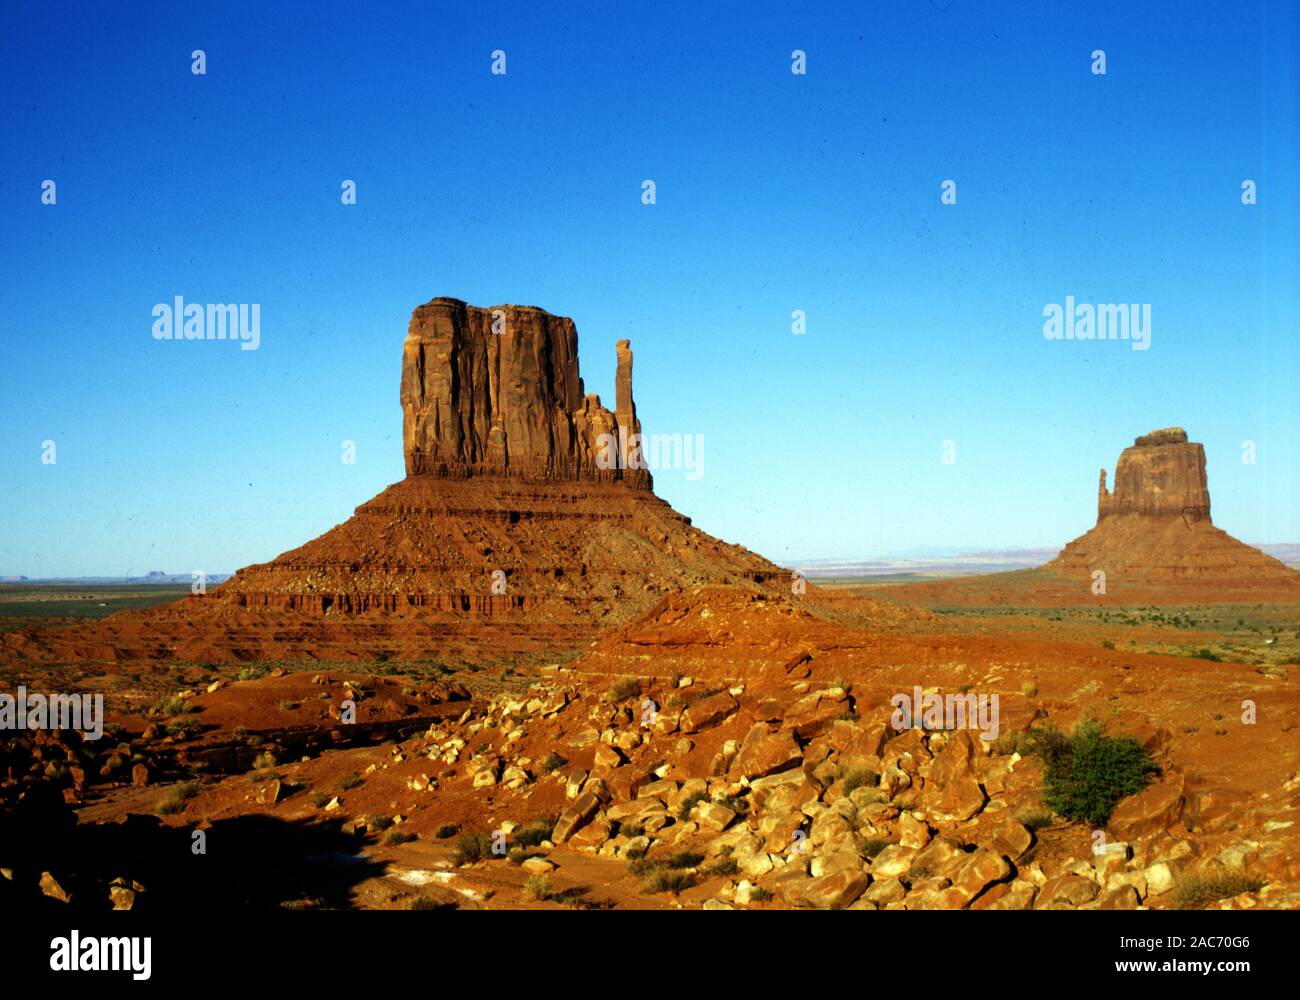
[251, 863]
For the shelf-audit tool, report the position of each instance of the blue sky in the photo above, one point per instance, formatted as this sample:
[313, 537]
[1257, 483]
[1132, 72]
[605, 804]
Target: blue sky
[775, 192]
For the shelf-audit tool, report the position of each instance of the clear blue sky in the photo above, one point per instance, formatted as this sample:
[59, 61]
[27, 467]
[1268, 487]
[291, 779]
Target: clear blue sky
[775, 192]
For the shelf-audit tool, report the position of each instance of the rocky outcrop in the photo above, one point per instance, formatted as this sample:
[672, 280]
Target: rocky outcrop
[1155, 527]
[525, 499]
[497, 392]
[498, 547]
[1162, 474]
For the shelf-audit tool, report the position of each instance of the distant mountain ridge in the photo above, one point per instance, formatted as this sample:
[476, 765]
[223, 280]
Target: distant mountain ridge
[152, 577]
[972, 563]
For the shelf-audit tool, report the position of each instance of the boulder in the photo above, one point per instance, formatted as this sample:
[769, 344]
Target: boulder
[831, 892]
[1157, 808]
[1015, 895]
[960, 800]
[1068, 889]
[708, 712]
[763, 753]
[575, 817]
[712, 816]
[984, 868]
[51, 887]
[1013, 839]
[894, 861]
[954, 760]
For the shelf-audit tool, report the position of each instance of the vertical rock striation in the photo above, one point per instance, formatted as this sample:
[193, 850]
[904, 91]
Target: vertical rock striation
[497, 392]
[1161, 475]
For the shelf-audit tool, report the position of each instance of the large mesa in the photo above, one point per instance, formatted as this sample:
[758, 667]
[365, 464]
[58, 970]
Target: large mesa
[497, 391]
[523, 496]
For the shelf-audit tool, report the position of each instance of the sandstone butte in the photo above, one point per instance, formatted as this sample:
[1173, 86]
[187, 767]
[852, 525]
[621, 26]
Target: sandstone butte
[1155, 527]
[515, 529]
[507, 503]
[1154, 540]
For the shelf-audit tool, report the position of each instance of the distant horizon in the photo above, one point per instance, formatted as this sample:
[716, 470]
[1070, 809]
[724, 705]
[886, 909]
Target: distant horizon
[1292, 551]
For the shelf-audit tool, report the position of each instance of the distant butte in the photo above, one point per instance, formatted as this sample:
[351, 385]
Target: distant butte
[1154, 541]
[1155, 527]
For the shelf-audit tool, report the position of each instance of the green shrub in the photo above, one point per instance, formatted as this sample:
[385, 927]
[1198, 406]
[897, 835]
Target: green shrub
[539, 887]
[351, 781]
[731, 802]
[917, 873]
[532, 833]
[252, 673]
[1008, 743]
[625, 688]
[184, 725]
[174, 705]
[446, 830]
[179, 795]
[1089, 772]
[759, 895]
[683, 859]
[428, 903]
[394, 837]
[1199, 890]
[552, 762]
[320, 800]
[471, 846]
[664, 880]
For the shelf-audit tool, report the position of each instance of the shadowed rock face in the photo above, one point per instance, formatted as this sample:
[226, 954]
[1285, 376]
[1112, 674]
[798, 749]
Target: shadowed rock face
[497, 391]
[1162, 474]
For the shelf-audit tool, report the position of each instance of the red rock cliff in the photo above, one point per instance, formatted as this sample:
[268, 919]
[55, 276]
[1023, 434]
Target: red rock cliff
[496, 391]
[1162, 474]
